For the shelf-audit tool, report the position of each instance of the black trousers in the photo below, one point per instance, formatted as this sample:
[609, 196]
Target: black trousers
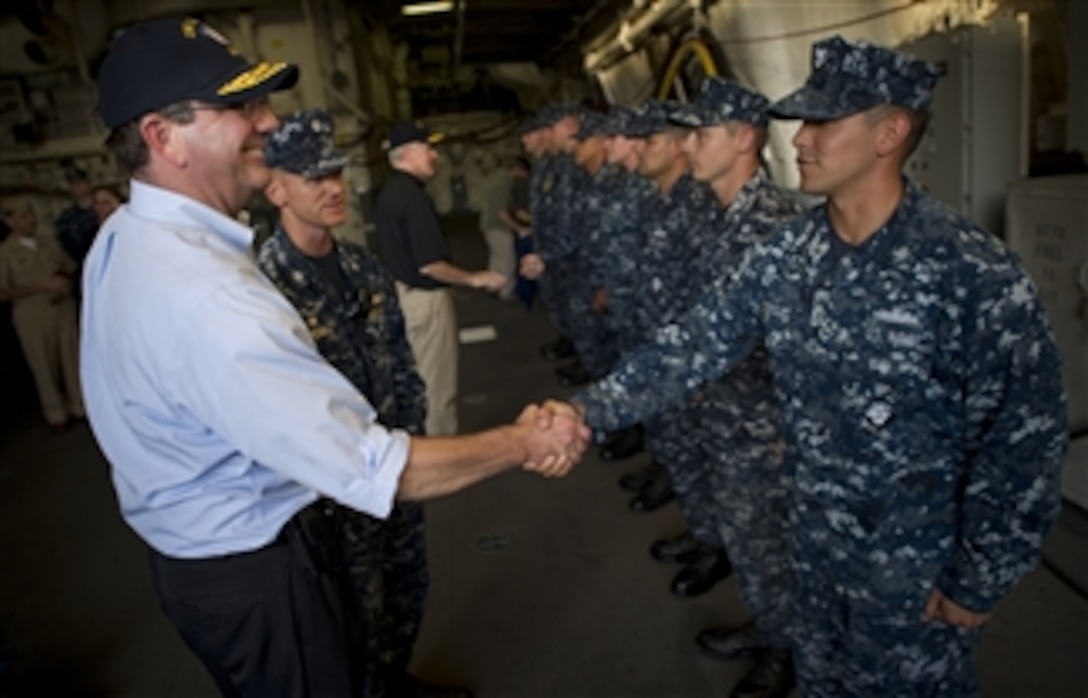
[279, 621]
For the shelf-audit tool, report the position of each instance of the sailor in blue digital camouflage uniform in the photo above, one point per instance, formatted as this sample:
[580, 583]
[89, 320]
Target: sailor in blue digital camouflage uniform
[677, 232]
[619, 228]
[558, 248]
[349, 303]
[547, 199]
[575, 260]
[920, 384]
[744, 483]
[618, 234]
[590, 331]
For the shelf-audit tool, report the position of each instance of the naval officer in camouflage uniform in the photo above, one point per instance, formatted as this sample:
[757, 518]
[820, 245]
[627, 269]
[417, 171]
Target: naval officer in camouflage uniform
[592, 340]
[677, 232]
[745, 482]
[614, 275]
[550, 196]
[619, 230]
[349, 303]
[920, 384]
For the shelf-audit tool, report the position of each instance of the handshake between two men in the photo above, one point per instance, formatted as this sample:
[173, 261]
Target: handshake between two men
[547, 439]
[557, 440]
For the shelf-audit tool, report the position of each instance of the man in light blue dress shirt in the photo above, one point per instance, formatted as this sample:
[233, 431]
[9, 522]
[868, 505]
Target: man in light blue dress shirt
[225, 428]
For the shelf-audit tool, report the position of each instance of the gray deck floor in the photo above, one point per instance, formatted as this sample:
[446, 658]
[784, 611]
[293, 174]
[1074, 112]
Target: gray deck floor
[540, 588]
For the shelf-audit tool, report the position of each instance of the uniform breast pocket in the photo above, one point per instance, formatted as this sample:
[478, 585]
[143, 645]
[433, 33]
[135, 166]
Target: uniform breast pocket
[901, 351]
[903, 342]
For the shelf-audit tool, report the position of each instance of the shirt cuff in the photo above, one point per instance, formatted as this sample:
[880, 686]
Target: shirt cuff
[376, 493]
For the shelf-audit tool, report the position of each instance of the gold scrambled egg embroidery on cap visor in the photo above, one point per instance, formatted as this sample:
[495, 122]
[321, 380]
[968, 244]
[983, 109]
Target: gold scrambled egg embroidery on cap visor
[435, 138]
[188, 27]
[256, 75]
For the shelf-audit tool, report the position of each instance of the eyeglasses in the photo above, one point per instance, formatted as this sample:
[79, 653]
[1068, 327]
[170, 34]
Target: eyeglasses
[249, 110]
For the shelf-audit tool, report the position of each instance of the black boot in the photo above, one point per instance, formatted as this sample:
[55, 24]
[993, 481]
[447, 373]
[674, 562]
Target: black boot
[609, 437]
[655, 495]
[622, 444]
[708, 567]
[572, 374]
[731, 643]
[771, 677]
[558, 349]
[680, 548]
[641, 479]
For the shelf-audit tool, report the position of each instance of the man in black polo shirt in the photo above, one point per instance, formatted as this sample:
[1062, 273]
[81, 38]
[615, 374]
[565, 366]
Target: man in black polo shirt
[414, 250]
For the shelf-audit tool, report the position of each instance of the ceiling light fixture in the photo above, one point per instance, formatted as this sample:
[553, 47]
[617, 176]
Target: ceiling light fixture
[427, 8]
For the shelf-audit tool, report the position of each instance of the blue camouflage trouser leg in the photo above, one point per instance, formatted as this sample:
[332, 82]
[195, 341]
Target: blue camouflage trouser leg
[751, 486]
[589, 335]
[857, 641]
[682, 434]
[388, 566]
[654, 430]
[588, 331]
[552, 296]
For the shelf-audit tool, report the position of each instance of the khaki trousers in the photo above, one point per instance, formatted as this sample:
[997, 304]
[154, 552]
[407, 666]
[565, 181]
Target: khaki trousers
[49, 335]
[432, 331]
[500, 257]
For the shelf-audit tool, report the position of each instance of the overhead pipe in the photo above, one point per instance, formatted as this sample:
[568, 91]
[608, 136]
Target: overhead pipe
[630, 32]
[633, 28]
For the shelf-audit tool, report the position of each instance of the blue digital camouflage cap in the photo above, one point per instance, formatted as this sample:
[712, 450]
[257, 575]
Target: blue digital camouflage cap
[651, 117]
[591, 124]
[617, 120]
[553, 113]
[849, 77]
[303, 145]
[532, 123]
[546, 116]
[721, 101]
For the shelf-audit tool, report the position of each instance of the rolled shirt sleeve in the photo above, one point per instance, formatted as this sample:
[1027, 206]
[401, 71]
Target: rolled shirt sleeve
[314, 427]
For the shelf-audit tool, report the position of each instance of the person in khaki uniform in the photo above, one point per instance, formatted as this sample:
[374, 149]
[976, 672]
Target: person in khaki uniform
[36, 276]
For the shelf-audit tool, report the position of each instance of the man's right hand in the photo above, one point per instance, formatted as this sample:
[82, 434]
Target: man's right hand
[489, 280]
[941, 608]
[555, 438]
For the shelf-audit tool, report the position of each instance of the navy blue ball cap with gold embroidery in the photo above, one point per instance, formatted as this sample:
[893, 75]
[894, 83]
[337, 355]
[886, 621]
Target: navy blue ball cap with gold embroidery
[157, 63]
[410, 131]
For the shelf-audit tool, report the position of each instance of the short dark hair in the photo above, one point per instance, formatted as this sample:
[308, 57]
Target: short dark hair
[919, 121]
[759, 131]
[128, 146]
